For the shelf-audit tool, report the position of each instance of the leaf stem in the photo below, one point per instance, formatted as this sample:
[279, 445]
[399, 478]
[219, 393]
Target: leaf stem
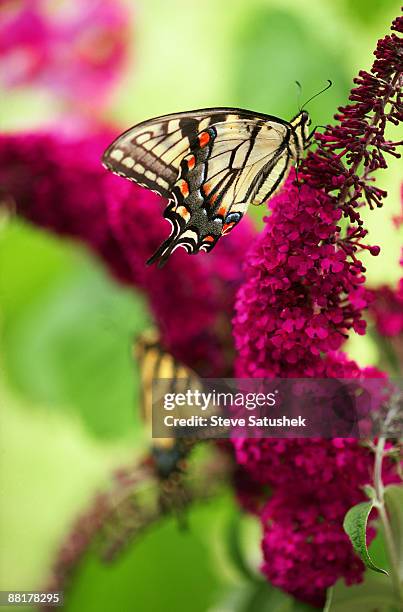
[379, 503]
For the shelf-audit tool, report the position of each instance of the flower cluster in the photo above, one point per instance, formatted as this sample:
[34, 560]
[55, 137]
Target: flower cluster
[76, 49]
[358, 139]
[59, 183]
[303, 293]
[303, 545]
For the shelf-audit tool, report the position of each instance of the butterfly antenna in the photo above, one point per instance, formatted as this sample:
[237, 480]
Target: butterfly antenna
[298, 84]
[328, 86]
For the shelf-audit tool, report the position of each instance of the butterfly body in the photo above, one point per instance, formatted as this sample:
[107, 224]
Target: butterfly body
[210, 164]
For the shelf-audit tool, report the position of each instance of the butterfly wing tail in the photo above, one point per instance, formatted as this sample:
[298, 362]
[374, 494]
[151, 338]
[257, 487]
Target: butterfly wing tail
[161, 255]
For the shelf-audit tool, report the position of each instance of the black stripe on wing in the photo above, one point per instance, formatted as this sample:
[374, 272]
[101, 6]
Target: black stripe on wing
[280, 179]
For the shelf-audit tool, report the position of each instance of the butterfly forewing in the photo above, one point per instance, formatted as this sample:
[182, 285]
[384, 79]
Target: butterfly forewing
[150, 153]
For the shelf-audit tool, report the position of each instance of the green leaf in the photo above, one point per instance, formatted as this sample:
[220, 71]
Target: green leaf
[355, 525]
[374, 594]
[369, 491]
[394, 505]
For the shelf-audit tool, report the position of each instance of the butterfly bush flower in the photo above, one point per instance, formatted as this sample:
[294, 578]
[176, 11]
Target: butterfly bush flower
[59, 184]
[76, 49]
[303, 544]
[304, 292]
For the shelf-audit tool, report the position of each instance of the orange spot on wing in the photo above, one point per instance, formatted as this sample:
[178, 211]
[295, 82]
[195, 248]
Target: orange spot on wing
[208, 239]
[213, 198]
[207, 188]
[227, 228]
[222, 211]
[204, 138]
[184, 187]
[183, 212]
[191, 162]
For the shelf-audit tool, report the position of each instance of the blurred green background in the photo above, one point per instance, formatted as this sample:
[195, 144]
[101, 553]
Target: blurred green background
[68, 387]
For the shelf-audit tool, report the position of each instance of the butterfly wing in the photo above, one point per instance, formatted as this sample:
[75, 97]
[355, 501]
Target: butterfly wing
[150, 153]
[210, 163]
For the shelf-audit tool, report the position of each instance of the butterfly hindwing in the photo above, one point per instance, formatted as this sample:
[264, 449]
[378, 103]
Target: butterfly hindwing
[233, 163]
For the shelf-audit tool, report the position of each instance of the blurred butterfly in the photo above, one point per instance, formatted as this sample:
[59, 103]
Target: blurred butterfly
[210, 164]
[168, 454]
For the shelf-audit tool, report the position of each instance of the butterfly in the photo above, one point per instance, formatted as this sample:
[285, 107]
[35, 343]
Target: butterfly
[210, 164]
[169, 454]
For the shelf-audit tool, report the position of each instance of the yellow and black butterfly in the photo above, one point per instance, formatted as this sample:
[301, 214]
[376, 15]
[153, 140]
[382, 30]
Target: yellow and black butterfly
[210, 164]
[156, 364]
